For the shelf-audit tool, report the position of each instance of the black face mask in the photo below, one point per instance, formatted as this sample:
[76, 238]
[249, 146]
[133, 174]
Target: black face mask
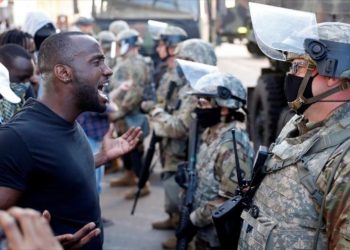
[208, 117]
[291, 87]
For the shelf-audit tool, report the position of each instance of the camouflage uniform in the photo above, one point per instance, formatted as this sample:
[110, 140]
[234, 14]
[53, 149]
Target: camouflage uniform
[217, 173]
[172, 122]
[291, 222]
[308, 171]
[132, 71]
[216, 166]
[132, 68]
[173, 126]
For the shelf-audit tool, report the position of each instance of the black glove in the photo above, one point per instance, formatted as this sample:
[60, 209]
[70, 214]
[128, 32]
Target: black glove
[188, 231]
[181, 175]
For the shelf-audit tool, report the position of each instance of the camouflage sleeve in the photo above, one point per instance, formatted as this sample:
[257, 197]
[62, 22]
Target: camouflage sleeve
[162, 90]
[174, 125]
[225, 171]
[128, 100]
[337, 207]
[225, 168]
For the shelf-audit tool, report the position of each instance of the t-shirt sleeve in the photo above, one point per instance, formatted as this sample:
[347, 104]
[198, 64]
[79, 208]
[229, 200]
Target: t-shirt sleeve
[15, 160]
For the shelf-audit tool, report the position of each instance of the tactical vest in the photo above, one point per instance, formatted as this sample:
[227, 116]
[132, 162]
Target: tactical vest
[208, 182]
[289, 199]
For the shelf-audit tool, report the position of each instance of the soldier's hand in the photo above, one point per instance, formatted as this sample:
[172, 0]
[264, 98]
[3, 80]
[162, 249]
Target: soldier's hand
[147, 106]
[26, 229]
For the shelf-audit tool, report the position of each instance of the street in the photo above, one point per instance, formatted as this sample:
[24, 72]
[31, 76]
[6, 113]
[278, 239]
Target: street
[134, 232]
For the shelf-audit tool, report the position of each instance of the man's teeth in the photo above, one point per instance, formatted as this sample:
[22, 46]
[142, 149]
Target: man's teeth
[102, 94]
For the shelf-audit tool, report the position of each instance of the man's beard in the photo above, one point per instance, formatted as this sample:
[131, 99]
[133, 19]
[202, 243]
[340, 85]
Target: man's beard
[87, 98]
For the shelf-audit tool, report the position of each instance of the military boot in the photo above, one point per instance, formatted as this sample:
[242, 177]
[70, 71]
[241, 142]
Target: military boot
[114, 166]
[131, 193]
[128, 179]
[170, 243]
[169, 224]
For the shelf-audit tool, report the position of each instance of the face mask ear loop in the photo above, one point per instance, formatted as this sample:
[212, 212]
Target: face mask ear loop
[298, 102]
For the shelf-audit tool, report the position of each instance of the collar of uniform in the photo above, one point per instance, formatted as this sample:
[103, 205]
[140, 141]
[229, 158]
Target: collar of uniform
[339, 114]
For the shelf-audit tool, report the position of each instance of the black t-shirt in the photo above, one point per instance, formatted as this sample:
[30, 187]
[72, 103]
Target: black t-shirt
[50, 161]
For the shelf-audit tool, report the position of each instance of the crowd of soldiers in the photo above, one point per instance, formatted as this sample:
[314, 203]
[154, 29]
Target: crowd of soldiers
[301, 200]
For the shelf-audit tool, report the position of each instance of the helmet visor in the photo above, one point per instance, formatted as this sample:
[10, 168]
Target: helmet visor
[155, 28]
[193, 71]
[280, 31]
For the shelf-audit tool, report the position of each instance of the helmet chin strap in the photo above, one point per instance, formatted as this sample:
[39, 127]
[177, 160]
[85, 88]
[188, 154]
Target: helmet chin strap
[301, 100]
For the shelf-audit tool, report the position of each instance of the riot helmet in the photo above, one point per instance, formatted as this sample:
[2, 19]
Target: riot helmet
[172, 36]
[127, 39]
[196, 50]
[117, 26]
[224, 88]
[284, 34]
[166, 39]
[106, 38]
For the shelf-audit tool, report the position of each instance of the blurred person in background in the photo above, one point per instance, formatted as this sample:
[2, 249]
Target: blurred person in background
[117, 26]
[6, 93]
[85, 25]
[107, 41]
[21, 68]
[128, 81]
[40, 26]
[25, 40]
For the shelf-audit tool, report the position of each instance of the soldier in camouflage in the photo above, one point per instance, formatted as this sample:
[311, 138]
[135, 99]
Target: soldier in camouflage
[170, 121]
[128, 81]
[221, 99]
[303, 200]
[167, 43]
[117, 26]
[106, 40]
[167, 40]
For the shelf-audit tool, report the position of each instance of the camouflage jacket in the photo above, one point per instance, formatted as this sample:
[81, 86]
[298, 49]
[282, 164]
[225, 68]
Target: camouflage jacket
[290, 196]
[171, 122]
[169, 76]
[216, 171]
[131, 71]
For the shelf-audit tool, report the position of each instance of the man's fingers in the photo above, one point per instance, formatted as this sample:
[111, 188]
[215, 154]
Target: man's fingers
[135, 133]
[84, 231]
[26, 219]
[64, 238]
[126, 135]
[11, 230]
[46, 214]
[94, 233]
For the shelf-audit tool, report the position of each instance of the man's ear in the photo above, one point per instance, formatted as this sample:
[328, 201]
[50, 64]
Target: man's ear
[63, 73]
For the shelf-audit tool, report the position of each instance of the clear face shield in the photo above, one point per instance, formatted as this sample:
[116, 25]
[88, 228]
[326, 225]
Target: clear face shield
[155, 28]
[281, 31]
[193, 71]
